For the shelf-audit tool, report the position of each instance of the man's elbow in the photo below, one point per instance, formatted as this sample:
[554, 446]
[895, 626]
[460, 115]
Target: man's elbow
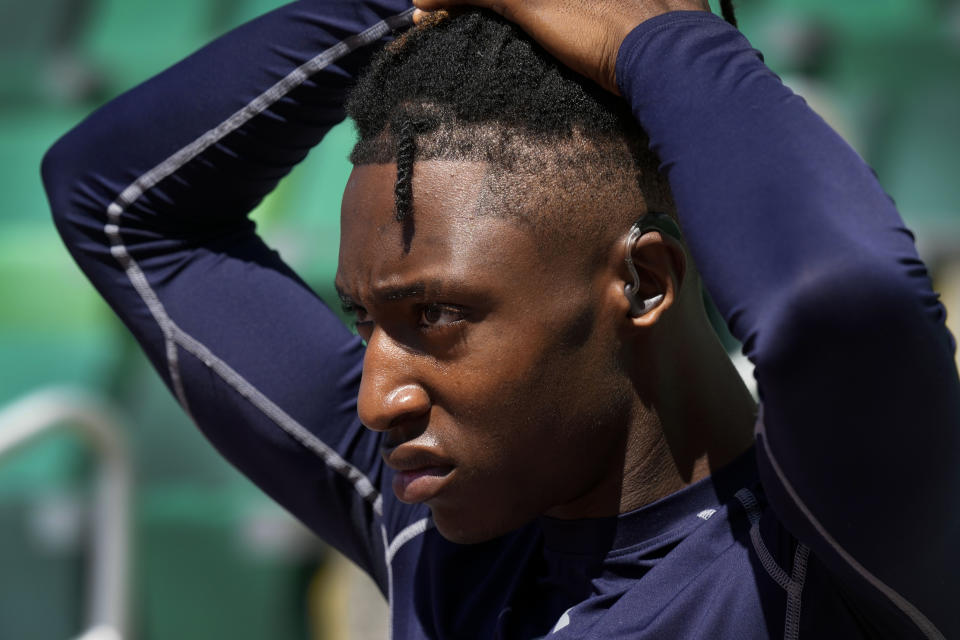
[76, 203]
[59, 179]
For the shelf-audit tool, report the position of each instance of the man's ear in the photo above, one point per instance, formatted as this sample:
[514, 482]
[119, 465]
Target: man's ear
[655, 264]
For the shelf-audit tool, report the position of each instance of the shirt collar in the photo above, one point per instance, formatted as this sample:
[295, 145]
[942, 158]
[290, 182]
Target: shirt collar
[681, 510]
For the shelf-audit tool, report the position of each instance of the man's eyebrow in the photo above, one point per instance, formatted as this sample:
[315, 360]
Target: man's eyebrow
[345, 299]
[394, 293]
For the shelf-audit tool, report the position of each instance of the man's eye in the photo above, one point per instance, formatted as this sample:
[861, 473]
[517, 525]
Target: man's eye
[434, 316]
[361, 319]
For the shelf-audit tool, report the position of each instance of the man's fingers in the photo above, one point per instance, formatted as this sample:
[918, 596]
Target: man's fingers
[585, 36]
[434, 5]
[426, 7]
[419, 15]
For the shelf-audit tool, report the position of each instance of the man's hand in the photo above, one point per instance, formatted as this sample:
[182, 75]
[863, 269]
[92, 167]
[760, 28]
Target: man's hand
[585, 36]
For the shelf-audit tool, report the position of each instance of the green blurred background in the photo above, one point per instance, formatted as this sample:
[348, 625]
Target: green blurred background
[212, 557]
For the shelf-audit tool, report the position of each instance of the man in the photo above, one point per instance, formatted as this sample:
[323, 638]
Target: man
[555, 443]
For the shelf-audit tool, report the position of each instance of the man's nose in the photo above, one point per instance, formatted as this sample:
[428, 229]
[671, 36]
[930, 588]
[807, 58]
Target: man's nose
[389, 392]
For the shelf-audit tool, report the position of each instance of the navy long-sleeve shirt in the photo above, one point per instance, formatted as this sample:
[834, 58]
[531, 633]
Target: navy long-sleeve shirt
[842, 523]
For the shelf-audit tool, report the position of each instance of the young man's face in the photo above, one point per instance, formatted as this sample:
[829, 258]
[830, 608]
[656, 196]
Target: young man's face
[492, 363]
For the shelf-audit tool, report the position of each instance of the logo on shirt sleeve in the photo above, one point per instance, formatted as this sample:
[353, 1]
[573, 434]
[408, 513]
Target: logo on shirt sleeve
[563, 621]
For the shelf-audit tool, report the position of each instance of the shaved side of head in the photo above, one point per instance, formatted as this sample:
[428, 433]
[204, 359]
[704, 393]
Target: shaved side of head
[564, 157]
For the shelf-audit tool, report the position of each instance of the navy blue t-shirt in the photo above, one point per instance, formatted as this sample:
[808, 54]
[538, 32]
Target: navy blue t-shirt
[842, 522]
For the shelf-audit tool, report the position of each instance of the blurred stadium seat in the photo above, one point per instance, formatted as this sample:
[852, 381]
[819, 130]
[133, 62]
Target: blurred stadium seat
[214, 558]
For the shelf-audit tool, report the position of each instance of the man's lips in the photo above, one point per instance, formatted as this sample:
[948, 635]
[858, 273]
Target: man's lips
[420, 474]
[419, 485]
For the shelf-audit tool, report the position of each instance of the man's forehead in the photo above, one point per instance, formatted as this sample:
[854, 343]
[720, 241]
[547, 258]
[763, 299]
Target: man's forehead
[471, 214]
[451, 236]
[448, 196]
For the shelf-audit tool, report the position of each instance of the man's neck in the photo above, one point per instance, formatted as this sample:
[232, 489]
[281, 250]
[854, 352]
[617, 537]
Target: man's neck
[698, 418]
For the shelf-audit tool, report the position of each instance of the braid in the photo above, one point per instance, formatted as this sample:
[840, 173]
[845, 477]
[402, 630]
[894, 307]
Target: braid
[408, 123]
[726, 8]
[500, 100]
[406, 152]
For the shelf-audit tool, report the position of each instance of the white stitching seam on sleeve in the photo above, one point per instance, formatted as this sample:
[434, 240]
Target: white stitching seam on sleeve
[173, 335]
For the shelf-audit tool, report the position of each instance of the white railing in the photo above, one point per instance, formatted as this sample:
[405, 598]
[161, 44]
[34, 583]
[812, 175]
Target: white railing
[63, 408]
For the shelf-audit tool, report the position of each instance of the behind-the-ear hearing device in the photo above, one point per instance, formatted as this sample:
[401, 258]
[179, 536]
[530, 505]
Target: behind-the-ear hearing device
[650, 222]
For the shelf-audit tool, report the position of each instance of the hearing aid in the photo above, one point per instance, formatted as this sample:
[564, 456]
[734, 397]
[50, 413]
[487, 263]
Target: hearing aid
[650, 222]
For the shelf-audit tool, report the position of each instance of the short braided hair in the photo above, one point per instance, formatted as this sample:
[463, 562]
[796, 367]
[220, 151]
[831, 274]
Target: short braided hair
[473, 86]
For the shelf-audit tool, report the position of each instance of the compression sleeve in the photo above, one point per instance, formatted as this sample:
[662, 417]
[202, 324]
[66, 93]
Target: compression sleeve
[816, 274]
[151, 195]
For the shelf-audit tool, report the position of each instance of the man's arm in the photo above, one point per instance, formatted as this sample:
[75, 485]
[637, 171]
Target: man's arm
[815, 272]
[817, 275]
[151, 193]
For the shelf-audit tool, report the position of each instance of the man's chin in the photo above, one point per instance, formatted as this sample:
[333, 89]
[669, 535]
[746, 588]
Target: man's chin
[469, 529]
